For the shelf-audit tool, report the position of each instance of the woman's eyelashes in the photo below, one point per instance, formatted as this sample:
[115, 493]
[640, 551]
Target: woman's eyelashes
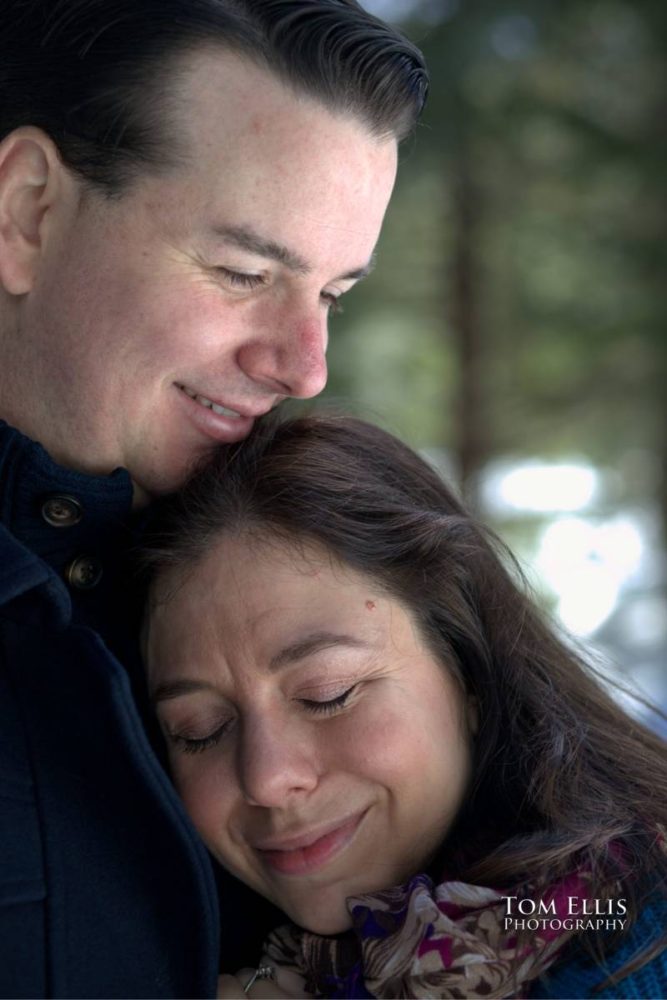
[329, 705]
[248, 281]
[196, 744]
[189, 743]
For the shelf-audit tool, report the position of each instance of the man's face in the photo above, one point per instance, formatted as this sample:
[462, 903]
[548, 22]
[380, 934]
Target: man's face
[210, 284]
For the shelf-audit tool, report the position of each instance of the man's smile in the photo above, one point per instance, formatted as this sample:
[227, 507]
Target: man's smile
[223, 411]
[224, 424]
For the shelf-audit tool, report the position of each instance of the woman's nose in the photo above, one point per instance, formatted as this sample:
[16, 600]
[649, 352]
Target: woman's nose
[276, 761]
[289, 356]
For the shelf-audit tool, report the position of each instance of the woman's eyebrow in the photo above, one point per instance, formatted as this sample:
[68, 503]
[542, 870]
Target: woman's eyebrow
[314, 643]
[246, 238]
[295, 651]
[176, 688]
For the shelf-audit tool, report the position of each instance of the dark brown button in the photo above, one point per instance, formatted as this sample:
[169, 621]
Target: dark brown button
[62, 511]
[84, 572]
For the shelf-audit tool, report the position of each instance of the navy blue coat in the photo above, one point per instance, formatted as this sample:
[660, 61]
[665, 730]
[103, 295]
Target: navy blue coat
[105, 888]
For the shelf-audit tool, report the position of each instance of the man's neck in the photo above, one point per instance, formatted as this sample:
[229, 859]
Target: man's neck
[140, 497]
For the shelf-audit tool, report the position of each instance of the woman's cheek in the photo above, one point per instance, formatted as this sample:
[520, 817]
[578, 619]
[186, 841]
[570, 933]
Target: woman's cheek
[204, 792]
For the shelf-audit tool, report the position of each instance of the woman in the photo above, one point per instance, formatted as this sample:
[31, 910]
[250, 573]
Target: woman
[371, 725]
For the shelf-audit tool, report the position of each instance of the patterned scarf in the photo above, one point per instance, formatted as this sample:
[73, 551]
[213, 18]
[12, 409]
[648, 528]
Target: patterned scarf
[423, 941]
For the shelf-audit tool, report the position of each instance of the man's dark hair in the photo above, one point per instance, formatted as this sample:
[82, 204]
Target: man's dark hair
[97, 75]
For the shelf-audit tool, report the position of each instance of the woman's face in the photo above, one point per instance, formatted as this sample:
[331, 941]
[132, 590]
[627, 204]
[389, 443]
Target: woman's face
[318, 745]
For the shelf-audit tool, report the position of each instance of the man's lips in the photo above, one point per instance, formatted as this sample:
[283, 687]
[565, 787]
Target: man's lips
[310, 850]
[221, 422]
[223, 409]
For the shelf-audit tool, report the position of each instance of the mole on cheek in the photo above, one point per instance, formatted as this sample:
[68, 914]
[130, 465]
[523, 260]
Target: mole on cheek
[370, 605]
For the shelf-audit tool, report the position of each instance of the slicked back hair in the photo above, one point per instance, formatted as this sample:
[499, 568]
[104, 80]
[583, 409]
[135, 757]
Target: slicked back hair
[97, 75]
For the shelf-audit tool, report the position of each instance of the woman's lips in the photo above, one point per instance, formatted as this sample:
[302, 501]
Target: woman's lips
[306, 859]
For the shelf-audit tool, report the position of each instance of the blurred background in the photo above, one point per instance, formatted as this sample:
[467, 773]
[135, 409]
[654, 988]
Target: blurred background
[512, 331]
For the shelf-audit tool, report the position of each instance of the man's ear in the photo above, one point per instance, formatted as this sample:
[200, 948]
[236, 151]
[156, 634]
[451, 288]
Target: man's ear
[31, 181]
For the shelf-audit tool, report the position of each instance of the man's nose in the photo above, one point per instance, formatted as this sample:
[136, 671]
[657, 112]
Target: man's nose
[275, 762]
[289, 356]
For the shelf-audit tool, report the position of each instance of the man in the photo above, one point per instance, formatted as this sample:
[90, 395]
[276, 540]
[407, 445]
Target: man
[186, 190]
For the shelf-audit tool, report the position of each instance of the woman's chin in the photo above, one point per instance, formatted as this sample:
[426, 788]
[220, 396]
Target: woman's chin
[326, 919]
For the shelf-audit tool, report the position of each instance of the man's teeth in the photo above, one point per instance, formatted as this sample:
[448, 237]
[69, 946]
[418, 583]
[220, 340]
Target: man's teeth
[203, 401]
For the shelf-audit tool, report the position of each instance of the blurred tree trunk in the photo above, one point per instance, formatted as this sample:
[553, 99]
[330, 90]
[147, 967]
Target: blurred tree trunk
[472, 435]
[661, 395]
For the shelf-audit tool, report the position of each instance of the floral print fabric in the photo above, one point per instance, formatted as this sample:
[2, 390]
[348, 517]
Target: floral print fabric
[424, 941]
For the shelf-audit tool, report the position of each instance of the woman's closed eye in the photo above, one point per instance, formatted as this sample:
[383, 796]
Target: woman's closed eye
[189, 743]
[196, 737]
[330, 705]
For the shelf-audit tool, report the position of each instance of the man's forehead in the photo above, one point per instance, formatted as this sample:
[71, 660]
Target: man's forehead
[274, 174]
[224, 95]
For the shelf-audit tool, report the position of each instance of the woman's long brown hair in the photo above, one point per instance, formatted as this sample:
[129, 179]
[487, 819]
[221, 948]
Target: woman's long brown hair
[564, 779]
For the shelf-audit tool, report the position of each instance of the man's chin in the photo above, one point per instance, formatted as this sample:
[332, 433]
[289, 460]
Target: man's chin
[150, 483]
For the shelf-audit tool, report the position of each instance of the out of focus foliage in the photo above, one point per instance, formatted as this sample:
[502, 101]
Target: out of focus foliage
[516, 306]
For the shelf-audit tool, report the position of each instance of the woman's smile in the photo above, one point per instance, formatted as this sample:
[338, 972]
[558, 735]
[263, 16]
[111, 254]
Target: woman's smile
[308, 852]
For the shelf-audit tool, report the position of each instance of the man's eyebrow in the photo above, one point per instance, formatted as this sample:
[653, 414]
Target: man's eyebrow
[311, 644]
[247, 239]
[174, 689]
